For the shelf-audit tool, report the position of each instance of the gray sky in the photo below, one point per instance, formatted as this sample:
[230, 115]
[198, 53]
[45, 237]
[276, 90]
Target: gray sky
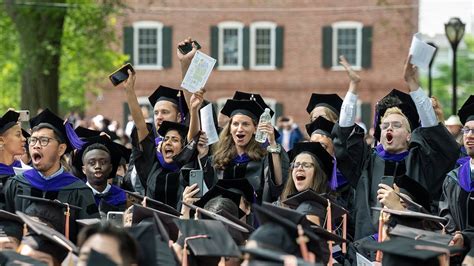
[434, 13]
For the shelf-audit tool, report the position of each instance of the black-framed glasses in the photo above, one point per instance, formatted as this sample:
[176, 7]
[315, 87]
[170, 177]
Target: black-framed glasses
[305, 165]
[395, 125]
[43, 141]
[466, 130]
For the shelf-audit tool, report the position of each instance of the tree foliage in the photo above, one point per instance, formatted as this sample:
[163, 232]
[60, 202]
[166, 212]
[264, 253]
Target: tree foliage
[86, 50]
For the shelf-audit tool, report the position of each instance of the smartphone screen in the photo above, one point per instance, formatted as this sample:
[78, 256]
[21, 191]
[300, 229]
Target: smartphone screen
[121, 74]
[197, 177]
[115, 218]
[188, 47]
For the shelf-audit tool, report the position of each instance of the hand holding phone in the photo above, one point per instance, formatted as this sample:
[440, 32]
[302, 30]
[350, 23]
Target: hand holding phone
[197, 177]
[121, 74]
[188, 47]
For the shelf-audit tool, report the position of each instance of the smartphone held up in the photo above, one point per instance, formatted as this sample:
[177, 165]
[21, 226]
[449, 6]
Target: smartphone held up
[121, 74]
[188, 47]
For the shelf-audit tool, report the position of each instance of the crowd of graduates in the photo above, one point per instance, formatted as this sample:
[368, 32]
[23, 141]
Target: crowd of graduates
[74, 196]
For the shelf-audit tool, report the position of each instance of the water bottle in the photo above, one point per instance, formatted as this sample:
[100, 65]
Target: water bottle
[264, 118]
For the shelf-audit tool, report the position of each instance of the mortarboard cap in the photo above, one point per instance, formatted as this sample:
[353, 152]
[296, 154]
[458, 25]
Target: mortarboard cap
[398, 99]
[319, 152]
[114, 152]
[290, 220]
[331, 101]
[134, 197]
[217, 191]
[163, 93]
[97, 258]
[320, 126]
[240, 95]
[46, 239]
[10, 225]
[414, 190]
[49, 211]
[245, 107]
[62, 128]
[238, 185]
[86, 132]
[12, 258]
[89, 221]
[310, 202]
[141, 213]
[419, 234]
[164, 253]
[466, 113]
[207, 238]
[167, 126]
[8, 120]
[267, 257]
[215, 216]
[415, 219]
[404, 251]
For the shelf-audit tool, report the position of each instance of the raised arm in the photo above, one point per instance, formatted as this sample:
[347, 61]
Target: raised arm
[185, 61]
[195, 104]
[135, 109]
[422, 102]
[348, 108]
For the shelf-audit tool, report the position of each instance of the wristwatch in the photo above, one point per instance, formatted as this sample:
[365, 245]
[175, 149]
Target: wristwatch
[276, 149]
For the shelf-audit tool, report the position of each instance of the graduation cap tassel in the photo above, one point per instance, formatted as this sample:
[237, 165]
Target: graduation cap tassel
[344, 233]
[333, 183]
[329, 228]
[184, 261]
[74, 139]
[378, 256]
[302, 240]
[66, 226]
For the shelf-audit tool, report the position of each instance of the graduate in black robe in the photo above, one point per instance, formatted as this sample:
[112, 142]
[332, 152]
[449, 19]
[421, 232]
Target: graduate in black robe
[12, 143]
[99, 160]
[424, 155]
[49, 141]
[457, 200]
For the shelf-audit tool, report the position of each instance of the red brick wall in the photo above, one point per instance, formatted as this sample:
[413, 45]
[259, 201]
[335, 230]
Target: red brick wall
[302, 73]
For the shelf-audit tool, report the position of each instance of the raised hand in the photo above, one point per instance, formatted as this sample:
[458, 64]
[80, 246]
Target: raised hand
[202, 147]
[410, 74]
[352, 74]
[196, 99]
[268, 128]
[130, 82]
[388, 197]
[186, 58]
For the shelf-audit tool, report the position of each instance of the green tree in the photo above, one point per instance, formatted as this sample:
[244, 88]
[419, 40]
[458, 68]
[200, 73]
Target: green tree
[56, 52]
[442, 85]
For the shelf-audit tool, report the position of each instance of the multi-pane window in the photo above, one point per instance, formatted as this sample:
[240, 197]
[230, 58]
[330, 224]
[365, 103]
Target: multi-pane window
[148, 44]
[347, 41]
[262, 45]
[230, 45]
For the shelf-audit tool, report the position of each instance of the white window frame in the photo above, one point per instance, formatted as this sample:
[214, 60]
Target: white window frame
[240, 29]
[253, 58]
[159, 44]
[347, 25]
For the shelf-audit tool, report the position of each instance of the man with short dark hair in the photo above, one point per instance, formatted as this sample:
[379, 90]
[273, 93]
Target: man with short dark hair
[49, 141]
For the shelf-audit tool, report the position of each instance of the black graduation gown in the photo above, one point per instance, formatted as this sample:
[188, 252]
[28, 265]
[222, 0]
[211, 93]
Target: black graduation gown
[76, 193]
[432, 153]
[258, 173]
[160, 184]
[456, 204]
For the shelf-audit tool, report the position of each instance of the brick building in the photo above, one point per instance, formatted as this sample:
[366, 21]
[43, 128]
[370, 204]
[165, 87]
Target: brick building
[284, 50]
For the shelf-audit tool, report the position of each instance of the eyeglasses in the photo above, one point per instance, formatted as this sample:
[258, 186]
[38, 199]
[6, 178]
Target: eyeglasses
[466, 130]
[305, 165]
[43, 141]
[395, 125]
